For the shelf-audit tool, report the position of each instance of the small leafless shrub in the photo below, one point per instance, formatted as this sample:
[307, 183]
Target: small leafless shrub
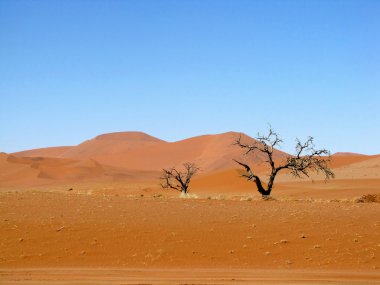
[179, 180]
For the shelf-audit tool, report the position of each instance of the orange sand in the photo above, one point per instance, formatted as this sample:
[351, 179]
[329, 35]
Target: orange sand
[95, 214]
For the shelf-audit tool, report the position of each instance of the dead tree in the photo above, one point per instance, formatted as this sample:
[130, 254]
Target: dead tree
[305, 160]
[177, 180]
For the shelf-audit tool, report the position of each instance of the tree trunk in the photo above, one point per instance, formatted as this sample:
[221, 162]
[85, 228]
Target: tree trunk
[265, 194]
[261, 189]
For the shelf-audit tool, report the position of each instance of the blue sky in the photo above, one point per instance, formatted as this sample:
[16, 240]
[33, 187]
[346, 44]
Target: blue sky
[71, 70]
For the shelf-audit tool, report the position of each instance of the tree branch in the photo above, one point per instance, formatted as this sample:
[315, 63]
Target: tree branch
[177, 180]
[305, 160]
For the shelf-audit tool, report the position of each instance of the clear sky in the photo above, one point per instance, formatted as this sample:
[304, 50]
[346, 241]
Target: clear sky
[71, 70]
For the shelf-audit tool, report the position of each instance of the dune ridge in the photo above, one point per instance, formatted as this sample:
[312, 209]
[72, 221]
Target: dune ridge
[132, 156]
[137, 150]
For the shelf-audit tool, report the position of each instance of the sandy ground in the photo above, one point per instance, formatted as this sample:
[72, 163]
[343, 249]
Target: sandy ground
[95, 214]
[180, 276]
[73, 238]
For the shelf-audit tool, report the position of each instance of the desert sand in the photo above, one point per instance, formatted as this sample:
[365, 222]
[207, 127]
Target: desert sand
[95, 214]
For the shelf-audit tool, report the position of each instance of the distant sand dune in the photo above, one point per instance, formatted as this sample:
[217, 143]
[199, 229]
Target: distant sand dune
[136, 156]
[135, 150]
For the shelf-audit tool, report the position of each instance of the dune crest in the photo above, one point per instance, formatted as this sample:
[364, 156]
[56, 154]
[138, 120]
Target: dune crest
[140, 151]
[127, 136]
[137, 155]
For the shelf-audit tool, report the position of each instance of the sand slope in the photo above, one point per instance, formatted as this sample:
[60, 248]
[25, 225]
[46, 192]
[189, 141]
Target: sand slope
[136, 150]
[56, 151]
[16, 171]
[132, 156]
[368, 168]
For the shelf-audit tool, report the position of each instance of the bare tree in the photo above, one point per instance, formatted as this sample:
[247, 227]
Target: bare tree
[305, 160]
[177, 180]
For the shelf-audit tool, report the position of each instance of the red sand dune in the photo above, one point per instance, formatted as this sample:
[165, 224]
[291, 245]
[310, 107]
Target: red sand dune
[38, 171]
[55, 151]
[16, 171]
[361, 169]
[135, 150]
[342, 160]
[128, 156]
[347, 154]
